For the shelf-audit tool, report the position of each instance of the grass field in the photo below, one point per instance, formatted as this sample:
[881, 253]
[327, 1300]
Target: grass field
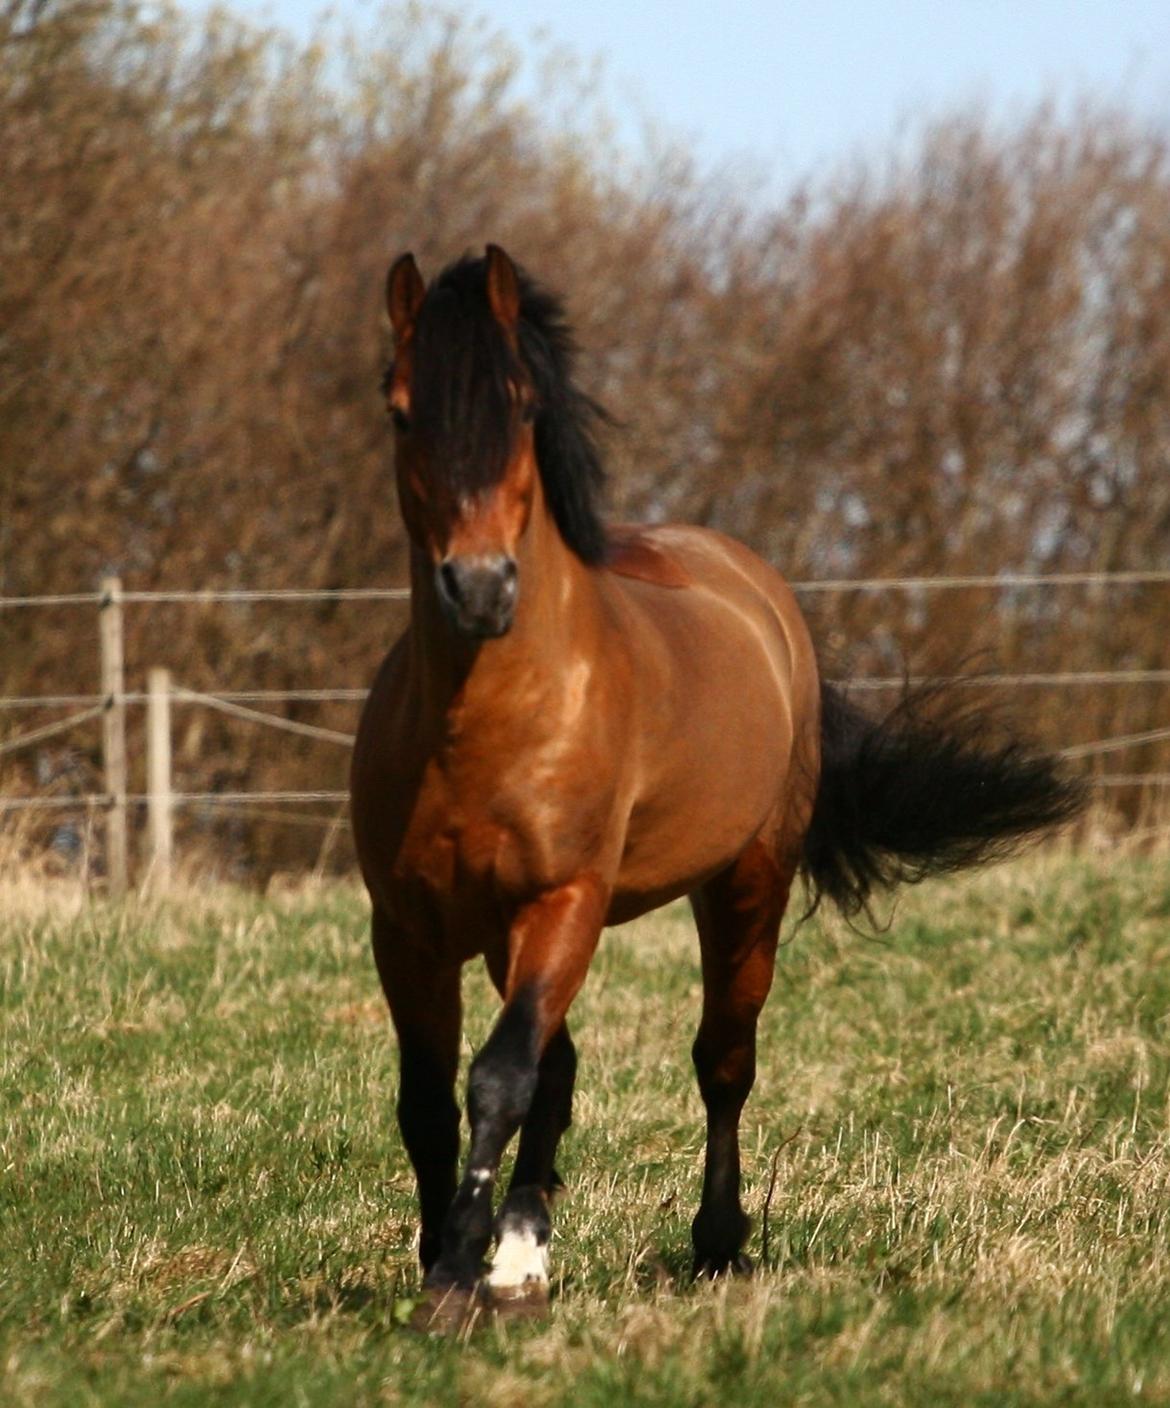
[202, 1197]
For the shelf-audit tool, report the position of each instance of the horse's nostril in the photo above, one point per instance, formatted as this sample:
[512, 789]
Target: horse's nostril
[449, 580]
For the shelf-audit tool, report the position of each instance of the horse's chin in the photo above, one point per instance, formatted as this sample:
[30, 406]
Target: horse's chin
[482, 628]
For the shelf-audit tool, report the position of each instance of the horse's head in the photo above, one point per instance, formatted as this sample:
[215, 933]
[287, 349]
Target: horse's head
[463, 404]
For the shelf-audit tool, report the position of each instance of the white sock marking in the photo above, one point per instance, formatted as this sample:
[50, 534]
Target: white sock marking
[519, 1259]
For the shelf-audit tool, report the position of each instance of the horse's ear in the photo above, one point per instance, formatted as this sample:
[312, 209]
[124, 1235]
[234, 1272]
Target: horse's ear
[503, 287]
[405, 291]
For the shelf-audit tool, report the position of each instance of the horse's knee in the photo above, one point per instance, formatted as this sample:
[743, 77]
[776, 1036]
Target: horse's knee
[726, 1070]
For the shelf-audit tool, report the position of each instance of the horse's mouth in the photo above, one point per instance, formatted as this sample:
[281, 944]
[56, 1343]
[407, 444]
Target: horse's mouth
[484, 628]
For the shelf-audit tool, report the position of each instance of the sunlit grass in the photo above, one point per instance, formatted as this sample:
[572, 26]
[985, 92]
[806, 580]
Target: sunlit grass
[963, 1124]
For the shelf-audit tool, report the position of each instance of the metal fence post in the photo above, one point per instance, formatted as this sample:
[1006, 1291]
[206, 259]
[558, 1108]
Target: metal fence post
[114, 732]
[160, 808]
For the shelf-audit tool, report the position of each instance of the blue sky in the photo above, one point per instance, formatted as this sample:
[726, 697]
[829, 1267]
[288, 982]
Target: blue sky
[787, 88]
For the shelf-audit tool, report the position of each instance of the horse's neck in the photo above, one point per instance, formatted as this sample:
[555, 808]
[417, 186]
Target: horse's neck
[556, 613]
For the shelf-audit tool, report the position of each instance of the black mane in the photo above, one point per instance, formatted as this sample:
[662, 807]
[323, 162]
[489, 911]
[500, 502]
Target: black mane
[460, 398]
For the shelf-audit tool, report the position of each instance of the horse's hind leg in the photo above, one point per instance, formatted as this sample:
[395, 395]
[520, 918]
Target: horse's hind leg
[738, 914]
[425, 1008]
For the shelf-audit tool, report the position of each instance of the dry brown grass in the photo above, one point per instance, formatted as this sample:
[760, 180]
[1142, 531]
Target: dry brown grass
[967, 1122]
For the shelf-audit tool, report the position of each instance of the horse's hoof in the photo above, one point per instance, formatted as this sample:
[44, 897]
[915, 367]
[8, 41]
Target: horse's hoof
[711, 1268]
[529, 1301]
[446, 1310]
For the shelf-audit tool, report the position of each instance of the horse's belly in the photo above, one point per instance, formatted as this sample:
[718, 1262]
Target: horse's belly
[681, 836]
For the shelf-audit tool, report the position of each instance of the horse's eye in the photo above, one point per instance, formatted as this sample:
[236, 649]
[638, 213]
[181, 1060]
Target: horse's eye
[400, 419]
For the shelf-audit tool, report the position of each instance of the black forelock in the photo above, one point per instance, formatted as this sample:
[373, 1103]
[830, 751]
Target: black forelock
[460, 399]
[460, 402]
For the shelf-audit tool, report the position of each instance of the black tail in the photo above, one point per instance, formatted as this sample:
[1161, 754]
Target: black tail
[919, 792]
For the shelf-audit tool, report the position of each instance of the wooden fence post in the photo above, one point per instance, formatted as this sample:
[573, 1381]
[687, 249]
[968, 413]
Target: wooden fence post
[158, 777]
[114, 732]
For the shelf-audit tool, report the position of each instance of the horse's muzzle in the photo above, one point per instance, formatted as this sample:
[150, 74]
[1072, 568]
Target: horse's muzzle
[479, 593]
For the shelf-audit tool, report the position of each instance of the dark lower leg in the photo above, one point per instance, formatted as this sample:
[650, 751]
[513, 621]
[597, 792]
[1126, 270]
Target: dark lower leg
[500, 1088]
[738, 916]
[524, 1226]
[425, 1008]
[429, 1120]
[726, 1069]
[549, 1115]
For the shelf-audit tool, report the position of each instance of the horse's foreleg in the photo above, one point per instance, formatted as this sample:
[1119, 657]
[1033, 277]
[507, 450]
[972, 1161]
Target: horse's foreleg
[549, 1115]
[425, 1008]
[551, 1110]
[738, 914]
[523, 1227]
[549, 949]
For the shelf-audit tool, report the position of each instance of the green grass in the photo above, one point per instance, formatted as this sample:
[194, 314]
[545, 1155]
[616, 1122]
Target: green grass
[202, 1196]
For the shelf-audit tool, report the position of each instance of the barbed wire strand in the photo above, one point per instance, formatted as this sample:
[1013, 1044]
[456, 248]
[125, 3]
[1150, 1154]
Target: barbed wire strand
[1005, 579]
[1112, 745]
[37, 735]
[1082, 750]
[1131, 779]
[254, 696]
[246, 799]
[59, 599]
[1030, 680]
[1105, 745]
[225, 704]
[103, 799]
[1069, 678]
[293, 818]
[211, 595]
[238, 711]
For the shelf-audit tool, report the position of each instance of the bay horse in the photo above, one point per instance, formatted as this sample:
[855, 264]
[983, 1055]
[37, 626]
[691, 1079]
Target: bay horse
[582, 723]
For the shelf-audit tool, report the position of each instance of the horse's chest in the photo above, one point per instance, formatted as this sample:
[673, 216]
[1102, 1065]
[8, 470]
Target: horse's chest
[495, 816]
[447, 854]
[461, 865]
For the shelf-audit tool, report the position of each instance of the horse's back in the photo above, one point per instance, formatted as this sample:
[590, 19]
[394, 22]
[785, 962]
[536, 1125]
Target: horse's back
[718, 584]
